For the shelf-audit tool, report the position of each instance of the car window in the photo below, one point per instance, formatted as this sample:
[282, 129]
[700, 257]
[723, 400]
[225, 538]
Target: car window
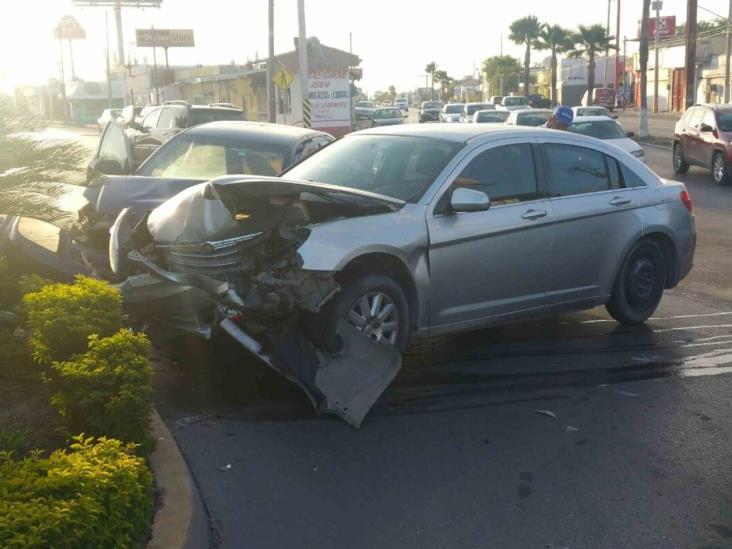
[493, 116]
[604, 129]
[630, 178]
[709, 119]
[453, 109]
[165, 121]
[576, 170]
[506, 174]
[725, 121]
[532, 119]
[387, 113]
[113, 146]
[151, 120]
[696, 118]
[687, 115]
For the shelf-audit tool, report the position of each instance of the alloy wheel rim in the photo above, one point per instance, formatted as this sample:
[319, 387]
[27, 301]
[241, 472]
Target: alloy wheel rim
[376, 315]
[718, 168]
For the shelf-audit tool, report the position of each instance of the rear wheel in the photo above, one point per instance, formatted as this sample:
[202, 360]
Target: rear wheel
[639, 285]
[720, 172]
[680, 165]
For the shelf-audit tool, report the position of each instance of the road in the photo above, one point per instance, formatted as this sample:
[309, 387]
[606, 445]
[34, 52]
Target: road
[659, 125]
[632, 449]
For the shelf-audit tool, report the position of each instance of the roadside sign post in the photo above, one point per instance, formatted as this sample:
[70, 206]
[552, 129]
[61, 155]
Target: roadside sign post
[163, 38]
[302, 46]
[283, 80]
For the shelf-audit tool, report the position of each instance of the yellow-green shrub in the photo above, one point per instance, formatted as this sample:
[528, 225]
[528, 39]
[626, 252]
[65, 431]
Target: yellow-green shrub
[15, 358]
[97, 494]
[60, 317]
[107, 390]
[9, 288]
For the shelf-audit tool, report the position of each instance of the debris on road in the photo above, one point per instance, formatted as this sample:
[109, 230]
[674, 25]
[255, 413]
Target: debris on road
[225, 468]
[570, 429]
[548, 413]
[626, 393]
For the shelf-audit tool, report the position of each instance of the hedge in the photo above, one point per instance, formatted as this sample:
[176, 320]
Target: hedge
[107, 390]
[61, 317]
[97, 494]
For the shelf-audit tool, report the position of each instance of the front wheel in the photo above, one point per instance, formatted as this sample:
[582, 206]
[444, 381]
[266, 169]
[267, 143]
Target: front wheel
[639, 285]
[720, 171]
[373, 303]
[680, 165]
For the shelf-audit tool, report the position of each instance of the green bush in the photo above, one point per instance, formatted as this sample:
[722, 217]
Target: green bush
[9, 289]
[107, 390]
[15, 358]
[97, 494]
[32, 283]
[61, 317]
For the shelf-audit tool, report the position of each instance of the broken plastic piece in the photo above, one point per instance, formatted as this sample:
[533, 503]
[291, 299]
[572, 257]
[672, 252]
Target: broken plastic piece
[546, 413]
[225, 468]
[570, 429]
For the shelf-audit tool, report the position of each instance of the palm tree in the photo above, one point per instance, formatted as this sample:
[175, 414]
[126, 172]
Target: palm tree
[431, 69]
[445, 81]
[588, 41]
[643, 130]
[392, 92]
[526, 31]
[558, 40]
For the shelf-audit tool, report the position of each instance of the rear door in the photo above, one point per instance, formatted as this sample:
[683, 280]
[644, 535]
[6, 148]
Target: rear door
[144, 140]
[113, 155]
[595, 217]
[707, 138]
[690, 136]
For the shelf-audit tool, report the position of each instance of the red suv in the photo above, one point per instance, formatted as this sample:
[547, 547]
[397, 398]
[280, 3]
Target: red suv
[702, 137]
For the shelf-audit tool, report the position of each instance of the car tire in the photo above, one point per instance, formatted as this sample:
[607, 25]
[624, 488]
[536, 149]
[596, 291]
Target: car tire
[639, 284]
[680, 165]
[347, 304]
[720, 170]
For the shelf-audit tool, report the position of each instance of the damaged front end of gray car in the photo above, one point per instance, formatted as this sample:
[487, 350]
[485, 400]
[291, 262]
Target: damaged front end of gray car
[223, 255]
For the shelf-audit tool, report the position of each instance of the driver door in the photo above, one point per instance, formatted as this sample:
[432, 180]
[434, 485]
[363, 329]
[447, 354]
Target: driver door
[492, 263]
[113, 155]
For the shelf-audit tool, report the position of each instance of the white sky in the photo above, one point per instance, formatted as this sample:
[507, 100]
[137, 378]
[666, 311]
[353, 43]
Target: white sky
[395, 39]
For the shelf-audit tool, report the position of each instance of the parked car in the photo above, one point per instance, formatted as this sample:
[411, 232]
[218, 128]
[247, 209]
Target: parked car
[539, 101]
[165, 121]
[702, 138]
[490, 116]
[107, 116]
[513, 103]
[592, 111]
[471, 108]
[451, 112]
[131, 113]
[602, 127]
[495, 100]
[402, 103]
[605, 97]
[430, 110]
[364, 109]
[412, 231]
[197, 154]
[386, 116]
[529, 117]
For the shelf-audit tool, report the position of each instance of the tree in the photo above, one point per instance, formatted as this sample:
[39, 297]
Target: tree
[392, 92]
[526, 31]
[703, 26]
[35, 173]
[445, 82]
[588, 41]
[431, 69]
[643, 55]
[499, 70]
[558, 40]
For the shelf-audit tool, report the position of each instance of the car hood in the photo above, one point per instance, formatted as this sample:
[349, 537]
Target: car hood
[625, 143]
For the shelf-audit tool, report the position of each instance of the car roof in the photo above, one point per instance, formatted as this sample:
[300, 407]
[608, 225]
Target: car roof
[270, 133]
[595, 119]
[522, 111]
[456, 133]
[715, 106]
[589, 107]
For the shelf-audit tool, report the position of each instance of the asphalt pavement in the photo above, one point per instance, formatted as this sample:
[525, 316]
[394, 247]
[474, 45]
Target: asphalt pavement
[567, 431]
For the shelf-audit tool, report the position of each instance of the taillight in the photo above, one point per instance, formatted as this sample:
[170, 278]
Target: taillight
[686, 199]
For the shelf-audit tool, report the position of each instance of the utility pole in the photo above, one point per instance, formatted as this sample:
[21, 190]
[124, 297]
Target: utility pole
[643, 55]
[690, 61]
[657, 7]
[62, 83]
[155, 68]
[271, 67]
[106, 56]
[617, 52]
[727, 55]
[607, 50]
[302, 46]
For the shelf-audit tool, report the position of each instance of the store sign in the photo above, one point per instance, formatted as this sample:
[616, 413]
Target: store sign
[330, 98]
[164, 38]
[666, 27]
[69, 28]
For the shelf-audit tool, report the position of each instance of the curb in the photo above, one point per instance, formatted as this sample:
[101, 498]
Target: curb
[180, 521]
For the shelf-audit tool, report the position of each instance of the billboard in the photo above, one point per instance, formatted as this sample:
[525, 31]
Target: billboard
[330, 99]
[666, 27]
[164, 38]
[69, 28]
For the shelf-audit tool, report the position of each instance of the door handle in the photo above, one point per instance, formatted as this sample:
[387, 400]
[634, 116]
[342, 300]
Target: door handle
[619, 201]
[533, 214]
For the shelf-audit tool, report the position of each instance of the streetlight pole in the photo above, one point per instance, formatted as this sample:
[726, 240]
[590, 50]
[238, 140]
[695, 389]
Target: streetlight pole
[302, 46]
[690, 61]
[607, 50]
[657, 6]
[272, 107]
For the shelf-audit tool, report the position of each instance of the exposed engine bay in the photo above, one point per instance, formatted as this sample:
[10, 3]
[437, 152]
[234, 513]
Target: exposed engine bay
[224, 255]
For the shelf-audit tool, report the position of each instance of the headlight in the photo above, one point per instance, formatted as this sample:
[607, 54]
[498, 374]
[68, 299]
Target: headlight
[640, 153]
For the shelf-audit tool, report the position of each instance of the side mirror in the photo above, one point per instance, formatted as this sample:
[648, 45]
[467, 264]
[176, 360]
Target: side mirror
[614, 117]
[105, 167]
[469, 200]
[630, 134]
[705, 128]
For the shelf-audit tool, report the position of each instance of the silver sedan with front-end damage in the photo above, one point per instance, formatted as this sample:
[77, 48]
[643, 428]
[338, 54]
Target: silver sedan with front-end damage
[406, 231]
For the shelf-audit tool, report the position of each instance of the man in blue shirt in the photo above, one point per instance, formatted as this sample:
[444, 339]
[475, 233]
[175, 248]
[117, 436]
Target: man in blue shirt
[561, 119]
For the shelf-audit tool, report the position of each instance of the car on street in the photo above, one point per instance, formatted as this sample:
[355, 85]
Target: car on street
[402, 103]
[605, 97]
[490, 116]
[595, 110]
[539, 101]
[364, 109]
[386, 116]
[513, 103]
[404, 232]
[529, 117]
[107, 116]
[430, 110]
[495, 100]
[702, 138]
[165, 121]
[452, 112]
[608, 129]
[471, 108]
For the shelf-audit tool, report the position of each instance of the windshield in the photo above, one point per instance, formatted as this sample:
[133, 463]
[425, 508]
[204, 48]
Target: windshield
[593, 111]
[401, 167]
[432, 105]
[453, 109]
[513, 101]
[604, 129]
[201, 116]
[189, 157]
[472, 109]
[492, 116]
[366, 104]
[533, 118]
[725, 121]
[387, 113]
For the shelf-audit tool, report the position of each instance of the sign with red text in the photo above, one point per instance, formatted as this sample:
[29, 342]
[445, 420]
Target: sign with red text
[330, 99]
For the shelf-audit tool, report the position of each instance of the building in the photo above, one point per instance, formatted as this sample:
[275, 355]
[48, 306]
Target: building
[87, 99]
[468, 90]
[572, 77]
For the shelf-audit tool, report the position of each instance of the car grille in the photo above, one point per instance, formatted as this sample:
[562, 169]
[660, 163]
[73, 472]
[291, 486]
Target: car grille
[216, 257]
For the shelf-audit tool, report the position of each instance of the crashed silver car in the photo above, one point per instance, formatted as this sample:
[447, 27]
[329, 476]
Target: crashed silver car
[406, 231]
